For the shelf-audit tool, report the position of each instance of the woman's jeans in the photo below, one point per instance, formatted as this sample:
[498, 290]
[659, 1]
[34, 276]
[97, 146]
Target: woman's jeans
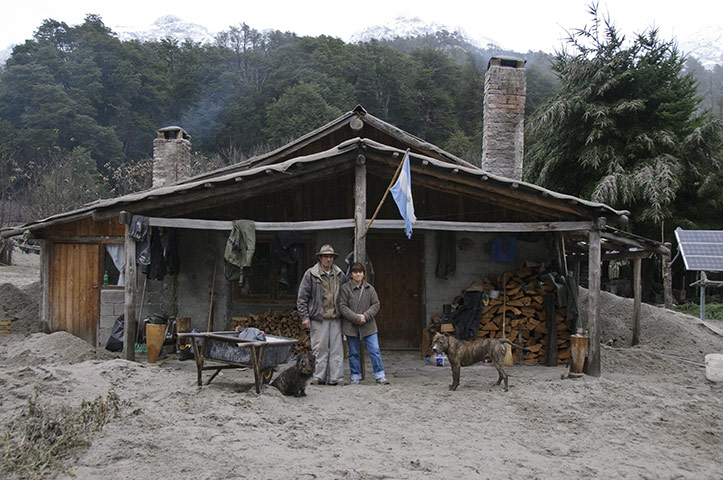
[375, 355]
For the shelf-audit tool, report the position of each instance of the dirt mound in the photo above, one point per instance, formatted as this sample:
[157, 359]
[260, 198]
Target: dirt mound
[21, 306]
[56, 348]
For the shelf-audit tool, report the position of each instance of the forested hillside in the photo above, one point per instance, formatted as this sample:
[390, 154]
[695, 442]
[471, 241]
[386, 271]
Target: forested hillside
[76, 99]
[79, 108]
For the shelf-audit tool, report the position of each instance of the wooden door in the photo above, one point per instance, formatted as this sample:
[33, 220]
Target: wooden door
[75, 289]
[399, 280]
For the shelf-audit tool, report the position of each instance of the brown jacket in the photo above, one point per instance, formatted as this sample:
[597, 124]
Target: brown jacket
[352, 305]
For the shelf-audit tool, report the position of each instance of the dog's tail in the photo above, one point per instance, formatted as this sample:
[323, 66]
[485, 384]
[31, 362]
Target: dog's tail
[524, 349]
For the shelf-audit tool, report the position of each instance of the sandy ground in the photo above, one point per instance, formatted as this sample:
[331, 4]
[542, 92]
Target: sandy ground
[652, 414]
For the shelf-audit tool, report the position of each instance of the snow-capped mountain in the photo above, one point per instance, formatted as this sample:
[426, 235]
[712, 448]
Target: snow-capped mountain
[166, 26]
[403, 27]
[706, 45]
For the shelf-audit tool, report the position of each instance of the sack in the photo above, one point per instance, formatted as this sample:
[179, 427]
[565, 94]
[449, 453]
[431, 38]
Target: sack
[115, 341]
[251, 333]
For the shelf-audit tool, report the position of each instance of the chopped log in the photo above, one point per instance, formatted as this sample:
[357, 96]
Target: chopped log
[285, 323]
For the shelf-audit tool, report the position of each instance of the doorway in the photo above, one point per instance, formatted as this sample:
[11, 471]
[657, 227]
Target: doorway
[399, 280]
[75, 287]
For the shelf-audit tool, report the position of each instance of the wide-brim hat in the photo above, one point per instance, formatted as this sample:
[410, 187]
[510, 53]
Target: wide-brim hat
[326, 250]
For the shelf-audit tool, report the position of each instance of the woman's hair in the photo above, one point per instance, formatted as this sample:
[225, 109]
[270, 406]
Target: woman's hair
[357, 267]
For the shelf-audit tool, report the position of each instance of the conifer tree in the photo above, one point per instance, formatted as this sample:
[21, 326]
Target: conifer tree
[622, 130]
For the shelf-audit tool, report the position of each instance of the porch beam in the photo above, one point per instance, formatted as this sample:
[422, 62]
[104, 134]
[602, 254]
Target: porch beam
[378, 224]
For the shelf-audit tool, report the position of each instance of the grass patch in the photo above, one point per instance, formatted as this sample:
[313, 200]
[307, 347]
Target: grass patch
[42, 438]
[713, 310]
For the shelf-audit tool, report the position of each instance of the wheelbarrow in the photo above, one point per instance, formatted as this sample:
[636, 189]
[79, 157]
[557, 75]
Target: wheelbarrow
[225, 350]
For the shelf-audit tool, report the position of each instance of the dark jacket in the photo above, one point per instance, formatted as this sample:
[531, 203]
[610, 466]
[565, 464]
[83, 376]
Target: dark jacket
[308, 301]
[351, 305]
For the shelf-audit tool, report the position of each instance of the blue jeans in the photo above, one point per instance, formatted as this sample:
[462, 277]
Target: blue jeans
[375, 355]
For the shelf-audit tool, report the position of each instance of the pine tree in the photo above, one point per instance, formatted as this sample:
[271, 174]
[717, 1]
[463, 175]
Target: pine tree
[622, 130]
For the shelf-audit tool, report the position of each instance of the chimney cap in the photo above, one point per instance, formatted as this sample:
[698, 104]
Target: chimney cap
[173, 132]
[506, 61]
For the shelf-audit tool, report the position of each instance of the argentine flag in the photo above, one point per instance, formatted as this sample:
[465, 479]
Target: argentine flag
[402, 194]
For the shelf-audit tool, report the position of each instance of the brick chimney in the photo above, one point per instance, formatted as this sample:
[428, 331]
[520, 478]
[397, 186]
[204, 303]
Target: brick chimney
[504, 116]
[171, 156]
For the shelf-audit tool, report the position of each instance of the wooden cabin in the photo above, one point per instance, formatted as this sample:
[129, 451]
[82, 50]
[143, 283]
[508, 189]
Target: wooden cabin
[325, 188]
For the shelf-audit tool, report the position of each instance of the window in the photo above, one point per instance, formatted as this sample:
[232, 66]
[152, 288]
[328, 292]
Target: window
[113, 263]
[275, 271]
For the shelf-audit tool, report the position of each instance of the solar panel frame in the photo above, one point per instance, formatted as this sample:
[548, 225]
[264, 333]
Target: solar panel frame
[702, 250]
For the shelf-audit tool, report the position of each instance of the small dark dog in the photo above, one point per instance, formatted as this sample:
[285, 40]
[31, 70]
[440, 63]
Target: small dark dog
[463, 353]
[293, 380]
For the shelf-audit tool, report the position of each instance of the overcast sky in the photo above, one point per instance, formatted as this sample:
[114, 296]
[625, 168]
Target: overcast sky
[519, 25]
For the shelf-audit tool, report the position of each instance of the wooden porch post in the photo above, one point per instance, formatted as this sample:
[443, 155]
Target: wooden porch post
[360, 208]
[637, 295]
[46, 321]
[129, 308]
[667, 277]
[592, 366]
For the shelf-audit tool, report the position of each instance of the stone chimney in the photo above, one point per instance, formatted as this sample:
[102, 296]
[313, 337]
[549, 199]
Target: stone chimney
[504, 116]
[171, 156]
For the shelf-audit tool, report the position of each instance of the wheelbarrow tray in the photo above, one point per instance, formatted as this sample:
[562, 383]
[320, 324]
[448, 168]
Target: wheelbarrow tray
[225, 350]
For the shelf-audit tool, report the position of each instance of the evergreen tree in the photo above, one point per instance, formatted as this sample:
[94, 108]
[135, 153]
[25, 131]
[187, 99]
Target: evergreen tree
[622, 129]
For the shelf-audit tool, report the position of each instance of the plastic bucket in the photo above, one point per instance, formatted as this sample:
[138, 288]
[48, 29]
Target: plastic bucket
[155, 334]
[714, 367]
[578, 350]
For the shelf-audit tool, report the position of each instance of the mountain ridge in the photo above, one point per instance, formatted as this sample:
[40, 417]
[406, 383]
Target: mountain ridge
[706, 45]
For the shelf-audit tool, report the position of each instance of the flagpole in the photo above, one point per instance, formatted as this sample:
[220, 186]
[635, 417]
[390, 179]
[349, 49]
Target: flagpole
[394, 179]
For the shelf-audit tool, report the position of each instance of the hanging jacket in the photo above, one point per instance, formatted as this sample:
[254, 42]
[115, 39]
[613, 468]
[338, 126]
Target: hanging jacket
[240, 248]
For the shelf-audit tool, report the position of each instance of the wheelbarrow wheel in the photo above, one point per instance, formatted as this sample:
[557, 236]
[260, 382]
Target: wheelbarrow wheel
[266, 376]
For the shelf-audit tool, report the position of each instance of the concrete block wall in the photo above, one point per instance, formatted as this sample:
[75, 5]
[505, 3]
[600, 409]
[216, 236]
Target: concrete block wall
[156, 300]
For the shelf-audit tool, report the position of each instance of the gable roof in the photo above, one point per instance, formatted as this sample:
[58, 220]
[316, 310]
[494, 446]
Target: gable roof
[379, 140]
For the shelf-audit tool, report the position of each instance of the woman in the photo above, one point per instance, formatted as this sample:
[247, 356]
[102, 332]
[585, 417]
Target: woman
[359, 304]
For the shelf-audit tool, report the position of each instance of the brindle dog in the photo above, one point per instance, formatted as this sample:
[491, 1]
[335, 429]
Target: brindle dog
[463, 353]
[293, 380]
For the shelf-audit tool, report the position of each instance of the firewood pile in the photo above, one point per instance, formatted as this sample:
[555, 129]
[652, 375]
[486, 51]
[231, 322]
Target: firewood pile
[285, 323]
[520, 307]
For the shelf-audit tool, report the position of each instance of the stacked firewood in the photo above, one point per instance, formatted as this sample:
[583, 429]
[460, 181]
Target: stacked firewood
[285, 323]
[520, 309]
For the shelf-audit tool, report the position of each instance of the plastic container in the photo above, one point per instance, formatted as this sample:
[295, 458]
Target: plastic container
[714, 367]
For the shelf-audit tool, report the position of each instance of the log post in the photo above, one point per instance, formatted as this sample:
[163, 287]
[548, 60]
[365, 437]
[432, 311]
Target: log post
[360, 208]
[129, 307]
[667, 277]
[703, 280]
[592, 366]
[46, 319]
[637, 296]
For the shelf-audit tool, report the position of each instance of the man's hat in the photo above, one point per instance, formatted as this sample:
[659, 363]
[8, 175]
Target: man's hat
[326, 250]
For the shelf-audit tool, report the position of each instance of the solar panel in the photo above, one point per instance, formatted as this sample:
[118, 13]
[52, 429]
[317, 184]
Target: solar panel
[702, 250]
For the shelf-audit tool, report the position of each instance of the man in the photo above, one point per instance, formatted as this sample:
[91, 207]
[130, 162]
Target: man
[318, 306]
